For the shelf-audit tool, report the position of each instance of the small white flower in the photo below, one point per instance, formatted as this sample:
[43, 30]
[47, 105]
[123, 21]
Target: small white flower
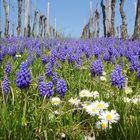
[51, 116]
[103, 78]
[103, 125]
[84, 68]
[63, 135]
[101, 105]
[125, 71]
[107, 95]
[18, 55]
[86, 104]
[104, 73]
[128, 90]
[95, 94]
[109, 116]
[57, 112]
[135, 100]
[85, 93]
[55, 101]
[98, 125]
[92, 109]
[74, 101]
[126, 100]
[89, 138]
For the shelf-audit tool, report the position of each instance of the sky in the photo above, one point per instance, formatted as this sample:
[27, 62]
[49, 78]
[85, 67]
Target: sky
[70, 15]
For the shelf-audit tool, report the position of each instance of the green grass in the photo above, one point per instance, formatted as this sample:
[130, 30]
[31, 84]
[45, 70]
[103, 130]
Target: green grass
[25, 115]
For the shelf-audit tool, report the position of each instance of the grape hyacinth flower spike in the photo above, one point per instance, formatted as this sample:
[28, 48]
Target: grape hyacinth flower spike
[61, 87]
[8, 68]
[46, 89]
[5, 86]
[23, 77]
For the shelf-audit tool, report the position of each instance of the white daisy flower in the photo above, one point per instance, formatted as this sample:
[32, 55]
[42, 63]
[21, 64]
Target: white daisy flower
[128, 90]
[109, 116]
[126, 100]
[101, 105]
[103, 125]
[55, 101]
[92, 109]
[86, 104]
[103, 78]
[84, 93]
[95, 94]
[74, 101]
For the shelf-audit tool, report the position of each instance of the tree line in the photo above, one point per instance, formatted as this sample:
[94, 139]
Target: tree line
[45, 30]
[92, 28]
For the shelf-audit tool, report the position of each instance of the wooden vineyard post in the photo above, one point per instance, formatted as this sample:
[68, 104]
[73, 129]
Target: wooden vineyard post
[108, 13]
[136, 34]
[19, 17]
[6, 9]
[27, 25]
[123, 16]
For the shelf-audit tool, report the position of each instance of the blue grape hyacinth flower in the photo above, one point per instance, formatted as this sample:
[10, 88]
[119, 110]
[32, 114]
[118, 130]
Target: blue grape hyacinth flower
[54, 78]
[61, 87]
[8, 68]
[46, 89]
[5, 85]
[117, 79]
[49, 70]
[23, 77]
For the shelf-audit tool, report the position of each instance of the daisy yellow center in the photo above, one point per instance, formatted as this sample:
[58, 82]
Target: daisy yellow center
[55, 102]
[94, 110]
[100, 105]
[109, 117]
[84, 93]
[103, 125]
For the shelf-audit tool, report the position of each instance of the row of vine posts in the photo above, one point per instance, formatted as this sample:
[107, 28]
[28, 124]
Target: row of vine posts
[45, 30]
[92, 28]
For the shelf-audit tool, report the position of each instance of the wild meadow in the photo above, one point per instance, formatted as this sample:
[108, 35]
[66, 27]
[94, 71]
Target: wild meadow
[69, 89]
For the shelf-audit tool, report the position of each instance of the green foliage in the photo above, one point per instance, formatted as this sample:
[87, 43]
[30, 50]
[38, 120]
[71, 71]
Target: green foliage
[26, 115]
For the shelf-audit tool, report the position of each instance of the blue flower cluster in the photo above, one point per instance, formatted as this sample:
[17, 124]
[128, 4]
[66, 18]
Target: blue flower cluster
[5, 85]
[52, 59]
[38, 53]
[40, 79]
[54, 78]
[117, 79]
[61, 87]
[134, 63]
[42, 88]
[49, 90]
[138, 73]
[44, 59]
[49, 70]
[57, 65]
[96, 68]
[8, 68]
[23, 77]
[12, 50]
[62, 55]
[46, 89]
